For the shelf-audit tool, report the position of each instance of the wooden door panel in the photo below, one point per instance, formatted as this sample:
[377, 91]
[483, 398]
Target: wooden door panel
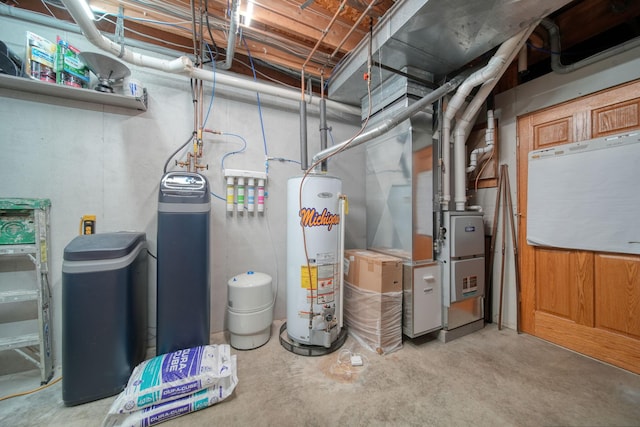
[601, 344]
[583, 295]
[616, 118]
[553, 279]
[588, 301]
[618, 293]
[556, 132]
[564, 280]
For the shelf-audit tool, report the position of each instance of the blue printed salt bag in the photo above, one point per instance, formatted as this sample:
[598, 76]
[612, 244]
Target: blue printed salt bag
[173, 375]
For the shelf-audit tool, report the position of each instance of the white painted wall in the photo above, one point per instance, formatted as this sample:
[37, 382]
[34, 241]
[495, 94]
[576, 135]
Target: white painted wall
[95, 159]
[532, 96]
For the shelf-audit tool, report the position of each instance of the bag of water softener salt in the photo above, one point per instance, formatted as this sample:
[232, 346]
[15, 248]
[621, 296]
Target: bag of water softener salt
[157, 414]
[173, 375]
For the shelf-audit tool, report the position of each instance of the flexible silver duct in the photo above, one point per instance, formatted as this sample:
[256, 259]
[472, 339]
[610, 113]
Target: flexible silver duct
[392, 122]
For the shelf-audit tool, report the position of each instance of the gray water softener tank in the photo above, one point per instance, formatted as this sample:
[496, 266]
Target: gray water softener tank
[104, 314]
[183, 294]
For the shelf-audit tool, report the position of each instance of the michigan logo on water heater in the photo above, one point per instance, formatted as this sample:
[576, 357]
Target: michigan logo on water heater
[309, 217]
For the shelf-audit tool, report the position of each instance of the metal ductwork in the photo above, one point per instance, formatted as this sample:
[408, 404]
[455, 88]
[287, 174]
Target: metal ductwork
[438, 36]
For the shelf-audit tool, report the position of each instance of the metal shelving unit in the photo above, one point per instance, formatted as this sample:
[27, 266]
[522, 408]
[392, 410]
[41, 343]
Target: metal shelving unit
[24, 232]
[23, 84]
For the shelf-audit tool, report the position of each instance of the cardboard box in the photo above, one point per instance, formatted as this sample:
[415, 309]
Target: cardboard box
[374, 318]
[373, 271]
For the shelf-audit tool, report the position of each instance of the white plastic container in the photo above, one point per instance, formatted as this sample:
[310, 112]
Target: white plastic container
[249, 309]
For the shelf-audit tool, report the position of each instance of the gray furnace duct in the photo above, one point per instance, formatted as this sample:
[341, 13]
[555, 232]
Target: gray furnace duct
[183, 295]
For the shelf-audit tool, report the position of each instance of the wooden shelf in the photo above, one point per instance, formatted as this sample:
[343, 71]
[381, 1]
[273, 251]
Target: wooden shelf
[24, 84]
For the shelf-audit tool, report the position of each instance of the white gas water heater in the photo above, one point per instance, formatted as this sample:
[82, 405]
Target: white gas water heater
[315, 249]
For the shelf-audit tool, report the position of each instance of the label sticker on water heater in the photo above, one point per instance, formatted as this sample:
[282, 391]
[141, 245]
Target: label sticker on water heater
[308, 277]
[326, 281]
[310, 217]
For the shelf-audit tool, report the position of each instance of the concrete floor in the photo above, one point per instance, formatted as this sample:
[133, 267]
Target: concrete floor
[488, 378]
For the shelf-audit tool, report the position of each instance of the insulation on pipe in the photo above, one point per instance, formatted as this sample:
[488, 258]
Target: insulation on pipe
[323, 130]
[303, 135]
[231, 40]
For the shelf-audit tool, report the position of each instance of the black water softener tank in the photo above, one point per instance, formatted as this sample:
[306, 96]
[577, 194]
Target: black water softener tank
[183, 304]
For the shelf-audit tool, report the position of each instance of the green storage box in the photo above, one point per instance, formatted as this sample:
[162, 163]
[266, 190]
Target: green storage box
[17, 220]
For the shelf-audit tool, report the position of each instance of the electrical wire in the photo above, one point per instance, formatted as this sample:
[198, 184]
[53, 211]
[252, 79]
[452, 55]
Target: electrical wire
[213, 88]
[208, 25]
[24, 393]
[46, 6]
[345, 365]
[146, 20]
[331, 136]
[146, 36]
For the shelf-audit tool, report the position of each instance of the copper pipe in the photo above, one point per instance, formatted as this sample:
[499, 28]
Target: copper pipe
[324, 34]
[353, 28]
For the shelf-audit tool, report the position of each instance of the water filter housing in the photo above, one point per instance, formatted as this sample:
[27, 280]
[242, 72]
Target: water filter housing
[313, 282]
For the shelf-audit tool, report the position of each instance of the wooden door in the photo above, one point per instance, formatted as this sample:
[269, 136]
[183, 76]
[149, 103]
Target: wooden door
[583, 300]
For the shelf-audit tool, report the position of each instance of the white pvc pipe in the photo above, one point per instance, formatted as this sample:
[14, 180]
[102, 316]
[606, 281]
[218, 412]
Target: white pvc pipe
[183, 65]
[450, 113]
[488, 77]
[74, 7]
[522, 59]
[489, 143]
